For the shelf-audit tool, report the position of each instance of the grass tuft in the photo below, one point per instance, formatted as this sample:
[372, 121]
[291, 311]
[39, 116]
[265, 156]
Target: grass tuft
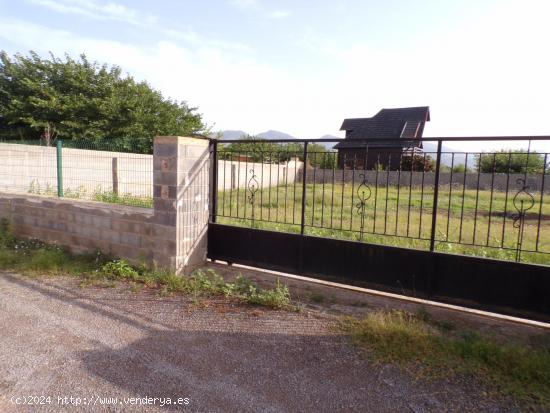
[124, 199]
[278, 297]
[50, 260]
[317, 298]
[411, 340]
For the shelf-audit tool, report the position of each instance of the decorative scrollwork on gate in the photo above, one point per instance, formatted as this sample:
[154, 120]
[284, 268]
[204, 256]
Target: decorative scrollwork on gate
[252, 186]
[363, 194]
[523, 201]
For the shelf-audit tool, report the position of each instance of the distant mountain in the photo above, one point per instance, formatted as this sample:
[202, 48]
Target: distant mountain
[330, 145]
[446, 158]
[238, 134]
[229, 134]
[270, 135]
[275, 134]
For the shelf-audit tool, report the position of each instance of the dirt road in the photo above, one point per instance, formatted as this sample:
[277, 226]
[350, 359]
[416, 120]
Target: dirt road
[112, 349]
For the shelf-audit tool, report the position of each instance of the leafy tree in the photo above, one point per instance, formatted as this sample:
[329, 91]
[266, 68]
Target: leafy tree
[513, 161]
[262, 150]
[72, 99]
[321, 157]
[318, 155]
[417, 163]
[461, 168]
[289, 150]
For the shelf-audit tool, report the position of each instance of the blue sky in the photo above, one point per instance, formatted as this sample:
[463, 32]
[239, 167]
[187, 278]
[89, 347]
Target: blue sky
[301, 67]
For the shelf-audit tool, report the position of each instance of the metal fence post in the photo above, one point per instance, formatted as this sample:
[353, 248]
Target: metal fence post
[59, 168]
[303, 213]
[436, 195]
[214, 181]
[304, 169]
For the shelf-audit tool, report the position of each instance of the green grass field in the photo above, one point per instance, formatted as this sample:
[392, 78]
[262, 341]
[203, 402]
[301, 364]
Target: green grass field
[398, 217]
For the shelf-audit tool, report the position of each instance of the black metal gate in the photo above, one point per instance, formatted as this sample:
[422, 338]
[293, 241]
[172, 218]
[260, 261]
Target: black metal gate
[296, 207]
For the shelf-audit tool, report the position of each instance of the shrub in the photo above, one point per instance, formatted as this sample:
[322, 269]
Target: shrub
[119, 269]
[278, 297]
[417, 163]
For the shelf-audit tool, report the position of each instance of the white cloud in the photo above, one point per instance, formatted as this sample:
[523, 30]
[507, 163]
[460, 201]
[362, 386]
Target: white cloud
[278, 14]
[97, 10]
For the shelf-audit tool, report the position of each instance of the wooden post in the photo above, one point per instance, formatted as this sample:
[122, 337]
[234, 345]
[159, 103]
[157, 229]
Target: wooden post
[115, 176]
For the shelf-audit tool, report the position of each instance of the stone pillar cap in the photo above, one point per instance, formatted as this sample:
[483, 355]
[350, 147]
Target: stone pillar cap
[184, 140]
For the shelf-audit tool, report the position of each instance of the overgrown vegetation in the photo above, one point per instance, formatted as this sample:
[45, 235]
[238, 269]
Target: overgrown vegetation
[37, 258]
[201, 283]
[417, 343]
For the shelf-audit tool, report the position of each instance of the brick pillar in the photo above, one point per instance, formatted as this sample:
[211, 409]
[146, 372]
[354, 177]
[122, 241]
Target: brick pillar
[181, 196]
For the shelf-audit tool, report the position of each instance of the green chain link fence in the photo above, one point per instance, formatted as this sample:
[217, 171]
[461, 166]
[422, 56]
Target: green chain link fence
[104, 171]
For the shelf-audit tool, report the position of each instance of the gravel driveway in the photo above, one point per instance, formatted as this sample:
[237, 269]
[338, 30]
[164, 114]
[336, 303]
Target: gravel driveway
[60, 340]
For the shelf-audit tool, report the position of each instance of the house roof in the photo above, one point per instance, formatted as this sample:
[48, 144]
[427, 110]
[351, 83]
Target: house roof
[397, 123]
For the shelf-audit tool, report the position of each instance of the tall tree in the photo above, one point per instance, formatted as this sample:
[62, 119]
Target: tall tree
[417, 163]
[75, 99]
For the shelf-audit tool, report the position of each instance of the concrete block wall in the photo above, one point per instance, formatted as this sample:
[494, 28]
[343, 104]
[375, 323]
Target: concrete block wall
[171, 235]
[85, 226]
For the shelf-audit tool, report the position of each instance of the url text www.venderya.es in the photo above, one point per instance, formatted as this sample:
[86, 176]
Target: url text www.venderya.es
[95, 400]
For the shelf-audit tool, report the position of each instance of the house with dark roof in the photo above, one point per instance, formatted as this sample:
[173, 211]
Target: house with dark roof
[381, 141]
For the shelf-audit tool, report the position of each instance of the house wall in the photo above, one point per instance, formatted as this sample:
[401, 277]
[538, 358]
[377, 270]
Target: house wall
[386, 158]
